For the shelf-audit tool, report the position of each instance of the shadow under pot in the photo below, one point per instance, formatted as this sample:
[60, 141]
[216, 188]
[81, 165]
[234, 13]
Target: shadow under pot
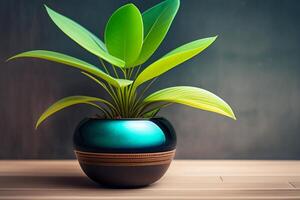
[125, 153]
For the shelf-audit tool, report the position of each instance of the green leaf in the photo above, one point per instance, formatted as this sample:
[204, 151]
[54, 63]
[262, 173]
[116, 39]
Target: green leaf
[74, 62]
[124, 34]
[194, 97]
[66, 102]
[83, 37]
[157, 21]
[173, 58]
[151, 113]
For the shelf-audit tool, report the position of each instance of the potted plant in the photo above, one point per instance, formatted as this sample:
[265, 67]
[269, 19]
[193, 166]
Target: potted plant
[127, 146]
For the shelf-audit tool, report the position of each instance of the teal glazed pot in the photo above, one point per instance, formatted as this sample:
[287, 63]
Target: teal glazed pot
[125, 153]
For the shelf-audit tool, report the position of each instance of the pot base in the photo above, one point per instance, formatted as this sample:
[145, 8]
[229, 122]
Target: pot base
[125, 170]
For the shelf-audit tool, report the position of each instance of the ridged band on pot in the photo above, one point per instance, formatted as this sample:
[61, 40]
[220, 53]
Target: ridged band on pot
[135, 159]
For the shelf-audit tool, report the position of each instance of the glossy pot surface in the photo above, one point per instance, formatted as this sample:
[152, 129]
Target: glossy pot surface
[125, 152]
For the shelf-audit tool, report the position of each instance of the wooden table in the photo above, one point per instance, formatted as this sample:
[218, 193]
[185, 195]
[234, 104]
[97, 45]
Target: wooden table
[186, 179]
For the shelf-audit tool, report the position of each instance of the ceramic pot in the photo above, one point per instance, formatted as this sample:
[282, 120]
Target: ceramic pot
[125, 152]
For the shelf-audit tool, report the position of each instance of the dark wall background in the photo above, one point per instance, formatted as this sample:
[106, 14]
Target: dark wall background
[254, 66]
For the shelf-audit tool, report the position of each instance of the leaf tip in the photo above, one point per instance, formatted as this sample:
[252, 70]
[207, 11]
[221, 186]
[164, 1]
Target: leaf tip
[36, 125]
[11, 58]
[131, 4]
[15, 56]
[49, 11]
[215, 37]
[231, 114]
[47, 8]
[124, 82]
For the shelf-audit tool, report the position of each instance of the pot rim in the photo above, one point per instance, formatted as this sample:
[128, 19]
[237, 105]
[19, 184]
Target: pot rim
[124, 119]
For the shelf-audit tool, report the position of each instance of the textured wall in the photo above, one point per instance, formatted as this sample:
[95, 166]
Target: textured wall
[254, 66]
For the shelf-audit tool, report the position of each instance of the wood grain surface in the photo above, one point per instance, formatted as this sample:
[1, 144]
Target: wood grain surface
[186, 179]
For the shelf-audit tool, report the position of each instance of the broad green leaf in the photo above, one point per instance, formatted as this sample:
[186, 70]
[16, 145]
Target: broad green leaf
[124, 34]
[66, 102]
[173, 58]
[74, 62]
[157, 21]
[83, 37]
[194, 97]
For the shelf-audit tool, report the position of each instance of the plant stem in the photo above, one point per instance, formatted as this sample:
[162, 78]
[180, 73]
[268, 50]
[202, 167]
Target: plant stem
[131, 72]
[115, 71]
[157, 107]
[137, 72]
[110, 91]
[106, 112]
[116, 99]
[104, 66]
[124, 73]
[135, 105]
[120, 101]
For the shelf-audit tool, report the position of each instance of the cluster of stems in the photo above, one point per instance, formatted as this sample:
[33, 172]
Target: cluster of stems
[125, 101]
